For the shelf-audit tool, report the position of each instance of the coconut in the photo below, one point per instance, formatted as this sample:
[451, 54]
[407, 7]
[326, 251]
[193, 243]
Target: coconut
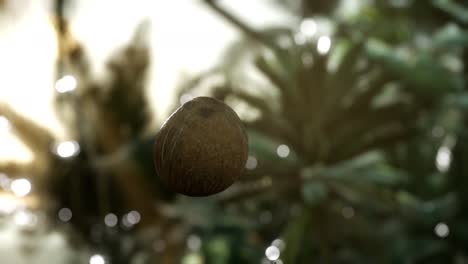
[201, 149]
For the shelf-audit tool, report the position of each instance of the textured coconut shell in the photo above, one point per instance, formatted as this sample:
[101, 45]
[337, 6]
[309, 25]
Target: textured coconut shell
[201, 149]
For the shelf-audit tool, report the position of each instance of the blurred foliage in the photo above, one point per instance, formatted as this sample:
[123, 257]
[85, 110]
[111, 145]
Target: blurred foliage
[373, 159]
[365, 124]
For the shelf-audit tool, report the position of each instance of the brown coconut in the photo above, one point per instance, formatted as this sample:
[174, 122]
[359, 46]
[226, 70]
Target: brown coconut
[201, 149]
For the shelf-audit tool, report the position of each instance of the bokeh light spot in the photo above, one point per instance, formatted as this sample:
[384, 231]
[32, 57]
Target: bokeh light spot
[272, 253]
[347, 212]
[323, 45]
[4, 124]
[67, 149]
[308, 27]
[65, 214]
[194, 242]
[251, 163]
[283, 151]
[65, 84]
[441, 230]
[133, 217]
[110, 220]
[25, 219]
[279, 243]
[97, 259]
[20, 187]
[443, 158]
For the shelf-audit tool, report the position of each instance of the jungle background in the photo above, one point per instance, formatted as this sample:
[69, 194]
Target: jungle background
[355, 112]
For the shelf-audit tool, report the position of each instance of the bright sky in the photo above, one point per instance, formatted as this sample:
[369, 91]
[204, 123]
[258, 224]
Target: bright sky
[187, 37]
